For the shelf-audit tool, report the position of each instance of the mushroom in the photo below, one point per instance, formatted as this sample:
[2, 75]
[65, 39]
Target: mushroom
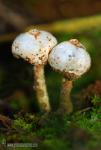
[72, 60]
[34, 47]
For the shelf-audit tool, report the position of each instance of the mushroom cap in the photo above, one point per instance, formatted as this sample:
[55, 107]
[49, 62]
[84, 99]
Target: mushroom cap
[70, 58]
[34, 46]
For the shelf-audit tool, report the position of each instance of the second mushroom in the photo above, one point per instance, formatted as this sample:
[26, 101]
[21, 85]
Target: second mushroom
[72, 60]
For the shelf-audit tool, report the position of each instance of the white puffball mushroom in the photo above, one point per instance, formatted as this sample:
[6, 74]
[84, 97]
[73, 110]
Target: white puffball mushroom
[71, 58]
[34, 46]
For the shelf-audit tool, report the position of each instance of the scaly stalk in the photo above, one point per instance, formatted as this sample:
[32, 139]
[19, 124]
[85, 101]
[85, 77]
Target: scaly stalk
[65, 99]
[40, 88]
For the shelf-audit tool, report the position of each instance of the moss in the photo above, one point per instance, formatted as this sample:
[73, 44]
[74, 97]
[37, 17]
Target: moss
[20, 123]
[55, 131]
[54, 144]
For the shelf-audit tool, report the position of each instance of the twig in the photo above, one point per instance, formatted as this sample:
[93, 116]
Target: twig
[84, 110]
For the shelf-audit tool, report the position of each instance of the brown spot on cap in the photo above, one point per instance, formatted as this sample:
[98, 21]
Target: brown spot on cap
[76, 43]
[70, 76]
[35, 33]
[29, 60]
[67, 75]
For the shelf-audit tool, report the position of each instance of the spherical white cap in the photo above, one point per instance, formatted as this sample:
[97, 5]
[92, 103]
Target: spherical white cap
[34, 46]
[70, 57]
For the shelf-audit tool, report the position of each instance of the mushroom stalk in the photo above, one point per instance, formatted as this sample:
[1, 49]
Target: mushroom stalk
[65, 99]
[40, 88]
